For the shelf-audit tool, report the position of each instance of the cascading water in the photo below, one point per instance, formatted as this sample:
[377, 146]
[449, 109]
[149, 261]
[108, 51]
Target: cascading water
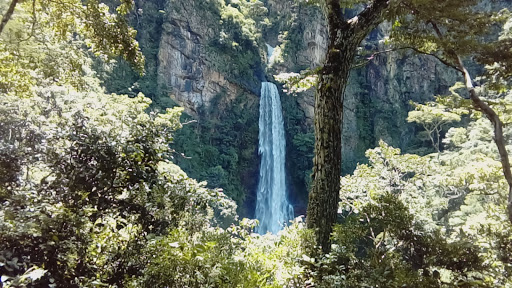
[272, 207]
[270, 54]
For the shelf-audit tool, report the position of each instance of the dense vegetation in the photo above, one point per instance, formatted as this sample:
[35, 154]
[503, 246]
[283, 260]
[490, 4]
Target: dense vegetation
[221, 149]
[232, 152]
[430, 28]
[91, 194]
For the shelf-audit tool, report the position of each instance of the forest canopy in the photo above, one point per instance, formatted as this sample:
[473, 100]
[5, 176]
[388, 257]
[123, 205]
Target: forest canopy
[91, 194]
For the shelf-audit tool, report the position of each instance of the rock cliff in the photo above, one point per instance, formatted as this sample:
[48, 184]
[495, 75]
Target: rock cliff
[185, 71]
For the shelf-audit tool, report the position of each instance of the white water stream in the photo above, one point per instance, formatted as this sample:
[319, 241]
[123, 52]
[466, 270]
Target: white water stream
[272, 207]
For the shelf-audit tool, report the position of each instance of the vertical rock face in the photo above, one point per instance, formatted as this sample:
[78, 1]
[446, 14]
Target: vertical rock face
[302, 37]
[377, 101]
[185, 72]
[201, 68]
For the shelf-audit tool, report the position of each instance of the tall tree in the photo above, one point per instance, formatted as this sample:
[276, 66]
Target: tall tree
[345, 35]
[464, 25]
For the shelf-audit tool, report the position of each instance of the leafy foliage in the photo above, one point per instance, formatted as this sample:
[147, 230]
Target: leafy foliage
[92, 178]
[444, 30]
[440, 196]
[90, 195]
[105, 33]
[433, 119]
[87, 177]
[239, 24]
[221, 148]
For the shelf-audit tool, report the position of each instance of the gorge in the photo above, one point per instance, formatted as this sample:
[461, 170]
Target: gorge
[217, 80]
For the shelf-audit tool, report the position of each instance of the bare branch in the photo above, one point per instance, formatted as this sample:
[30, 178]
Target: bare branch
[444, 61]
[498, 132]
[189, 122]
[34, 22]
[372, 56]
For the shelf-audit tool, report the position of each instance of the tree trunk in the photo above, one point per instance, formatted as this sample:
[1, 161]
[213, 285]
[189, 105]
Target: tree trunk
[8, 14]
[482, 106]
[344, 38]
[498, 132]
[323, 198]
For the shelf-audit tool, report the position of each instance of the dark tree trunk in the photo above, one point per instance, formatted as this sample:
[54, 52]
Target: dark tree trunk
[323, 198]
[8, 14]
[344, 38]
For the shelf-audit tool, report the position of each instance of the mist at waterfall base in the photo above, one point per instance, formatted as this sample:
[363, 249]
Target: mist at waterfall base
[272, 207]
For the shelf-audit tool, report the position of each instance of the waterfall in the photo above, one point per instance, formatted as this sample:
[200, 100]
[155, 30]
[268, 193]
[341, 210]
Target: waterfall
[270, 54]
[272, 207]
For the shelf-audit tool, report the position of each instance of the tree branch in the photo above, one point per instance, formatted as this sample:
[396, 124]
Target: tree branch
[34, 22]
[8, 14]
[498, 132]
[372, 56]
[189, 122]
[491, 115]
[369, 18]
[444, 61]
